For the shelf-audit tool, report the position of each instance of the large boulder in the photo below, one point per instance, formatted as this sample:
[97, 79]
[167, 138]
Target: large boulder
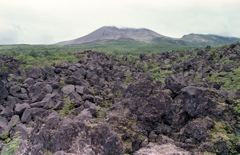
[141, 88]
[199, 101]
[7, 112]
[174, 83]
[29, 81]
[28, 114]
[68, 89]
[18, 92]
[35, 92]
[78, 136]
[82, 90]
[14, 100]
[62, 65]
[20, 72]
[20, 108]
[3, 125]
[34, 73]
[197, 129]
[13, 122]
[4, 76]
[22, 130]
[46, 103]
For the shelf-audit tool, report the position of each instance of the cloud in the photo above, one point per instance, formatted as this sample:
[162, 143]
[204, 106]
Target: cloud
[10, 35]
[15, 34]
[50, 21]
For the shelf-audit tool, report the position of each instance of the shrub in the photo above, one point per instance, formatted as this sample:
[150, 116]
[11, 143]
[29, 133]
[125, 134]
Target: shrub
[5, 135]
[33, 53]
[212, 52]
[128, 77]
[145, 65]
[67, 108]
[138, 64]
[62, 84]
[3, 68]
[118, 94]
[11, 146]
[231, 62]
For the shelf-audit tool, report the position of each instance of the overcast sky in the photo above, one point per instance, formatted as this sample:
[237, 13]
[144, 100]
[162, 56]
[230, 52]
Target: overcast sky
[51, 21]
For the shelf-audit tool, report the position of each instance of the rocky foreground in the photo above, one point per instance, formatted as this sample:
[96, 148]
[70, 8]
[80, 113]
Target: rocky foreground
[163, 104]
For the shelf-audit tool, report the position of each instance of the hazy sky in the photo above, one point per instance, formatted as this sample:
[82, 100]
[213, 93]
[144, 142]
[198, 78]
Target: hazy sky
[51, 21]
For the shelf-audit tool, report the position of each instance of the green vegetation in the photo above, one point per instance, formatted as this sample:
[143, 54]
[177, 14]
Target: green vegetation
[11, 145]
[103, 112]
[47, 152]
[67, 108]
[62, 84]
[3, 68]
[237, 107]
[212, 52]
[157, 73]
[38, 55]
[130, 47]
[45, 55]
[118, 94]
[231, 79]
[5, 135]
[128, 77]
[222, 131]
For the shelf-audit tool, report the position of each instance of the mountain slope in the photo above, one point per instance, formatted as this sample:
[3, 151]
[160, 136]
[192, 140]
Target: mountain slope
[114, 33]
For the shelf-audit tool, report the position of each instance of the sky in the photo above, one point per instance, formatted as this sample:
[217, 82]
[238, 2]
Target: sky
[52, 21]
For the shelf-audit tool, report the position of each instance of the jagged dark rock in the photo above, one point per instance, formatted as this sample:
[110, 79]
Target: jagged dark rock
[34, 73]
[94, 107]
[3, 125]
[4, 92]
[7, 112]
[11, 63]
[20, 108]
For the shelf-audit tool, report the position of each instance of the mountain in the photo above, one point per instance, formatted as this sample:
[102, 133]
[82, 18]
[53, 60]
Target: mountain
[210, 39]
[114, 33]
[196, 40]
[110, 33]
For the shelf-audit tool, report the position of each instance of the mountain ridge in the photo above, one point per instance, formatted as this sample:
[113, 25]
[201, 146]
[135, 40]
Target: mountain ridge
[107, 33]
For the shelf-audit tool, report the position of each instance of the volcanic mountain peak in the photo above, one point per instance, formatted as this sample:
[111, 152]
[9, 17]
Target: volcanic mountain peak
[107, 33]
[114, 33]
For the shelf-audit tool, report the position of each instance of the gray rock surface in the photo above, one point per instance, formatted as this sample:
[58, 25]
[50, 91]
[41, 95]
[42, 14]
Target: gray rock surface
[68, 89]
[20, 108]
[166, 149]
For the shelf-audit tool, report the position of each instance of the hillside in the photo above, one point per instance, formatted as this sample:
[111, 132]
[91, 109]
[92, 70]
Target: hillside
[108, 33]
[181, 102]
